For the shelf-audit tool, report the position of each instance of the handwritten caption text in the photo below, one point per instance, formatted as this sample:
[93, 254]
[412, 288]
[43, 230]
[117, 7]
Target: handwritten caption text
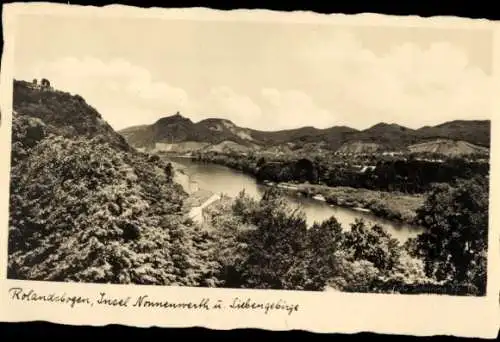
[148, 302]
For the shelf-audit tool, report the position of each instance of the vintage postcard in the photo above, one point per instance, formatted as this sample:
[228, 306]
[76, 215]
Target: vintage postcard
[249, 169]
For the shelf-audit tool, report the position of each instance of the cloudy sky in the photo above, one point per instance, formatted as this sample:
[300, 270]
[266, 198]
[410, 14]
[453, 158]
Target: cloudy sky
[265, 76]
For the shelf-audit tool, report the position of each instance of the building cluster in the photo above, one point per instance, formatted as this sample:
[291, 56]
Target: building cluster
[43, 85]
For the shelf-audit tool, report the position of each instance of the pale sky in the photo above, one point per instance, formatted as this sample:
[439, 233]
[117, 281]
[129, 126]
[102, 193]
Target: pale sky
[265, 76]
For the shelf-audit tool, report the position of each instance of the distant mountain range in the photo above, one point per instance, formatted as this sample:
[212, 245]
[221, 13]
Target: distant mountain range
[177, 131]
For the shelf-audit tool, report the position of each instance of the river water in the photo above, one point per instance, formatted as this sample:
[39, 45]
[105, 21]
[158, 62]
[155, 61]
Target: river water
[223, 180]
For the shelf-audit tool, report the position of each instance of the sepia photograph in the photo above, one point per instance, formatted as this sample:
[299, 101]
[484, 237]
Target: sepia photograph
[249, 169]
[250, 155]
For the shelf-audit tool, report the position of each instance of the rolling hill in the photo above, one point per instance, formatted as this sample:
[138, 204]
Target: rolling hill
[177, 129]
[387, 136]
[64, 114]
[474, 131]
[87, 207]
[448, 147]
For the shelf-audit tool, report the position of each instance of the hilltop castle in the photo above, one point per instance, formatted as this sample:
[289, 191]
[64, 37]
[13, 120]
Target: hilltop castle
[44, 84]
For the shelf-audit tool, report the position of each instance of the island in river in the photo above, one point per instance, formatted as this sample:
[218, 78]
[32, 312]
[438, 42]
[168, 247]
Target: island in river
[198, 178]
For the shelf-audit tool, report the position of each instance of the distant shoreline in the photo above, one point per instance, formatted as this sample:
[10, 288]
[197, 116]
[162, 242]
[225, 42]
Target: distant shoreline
[395, 207]
[391, 206]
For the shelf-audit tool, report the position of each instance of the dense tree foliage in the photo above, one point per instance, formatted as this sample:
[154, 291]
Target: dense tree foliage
[68, 114]
[455, 245]
[266, 244]
[83, 210]
[84, 206]
[409, 175]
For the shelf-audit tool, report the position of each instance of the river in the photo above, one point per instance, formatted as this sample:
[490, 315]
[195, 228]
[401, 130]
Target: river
[223, 180]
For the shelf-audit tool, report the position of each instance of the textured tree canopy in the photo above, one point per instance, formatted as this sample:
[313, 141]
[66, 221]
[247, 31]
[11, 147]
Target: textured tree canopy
[455, 245]
[86, 207]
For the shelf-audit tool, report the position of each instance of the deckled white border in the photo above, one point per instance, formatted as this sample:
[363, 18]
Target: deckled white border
[420, 315]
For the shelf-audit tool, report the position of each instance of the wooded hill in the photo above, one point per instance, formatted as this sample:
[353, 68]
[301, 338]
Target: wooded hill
[85, 206]
[177, 129]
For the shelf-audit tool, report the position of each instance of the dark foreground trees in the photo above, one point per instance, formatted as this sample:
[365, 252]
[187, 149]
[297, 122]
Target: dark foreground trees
[267, 244]
[411, 176]
[86, 207]
[455, 245]
[82, 210]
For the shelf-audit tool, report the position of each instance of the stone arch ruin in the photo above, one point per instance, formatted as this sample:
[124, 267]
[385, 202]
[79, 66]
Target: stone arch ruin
[45, 83]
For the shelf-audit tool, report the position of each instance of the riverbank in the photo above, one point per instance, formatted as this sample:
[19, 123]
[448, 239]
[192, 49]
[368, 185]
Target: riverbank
[391, 206]
[197, 199]
[180, 176]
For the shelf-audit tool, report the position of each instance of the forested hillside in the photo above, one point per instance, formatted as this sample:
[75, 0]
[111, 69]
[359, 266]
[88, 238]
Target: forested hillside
[64, 114]
[86, 207]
